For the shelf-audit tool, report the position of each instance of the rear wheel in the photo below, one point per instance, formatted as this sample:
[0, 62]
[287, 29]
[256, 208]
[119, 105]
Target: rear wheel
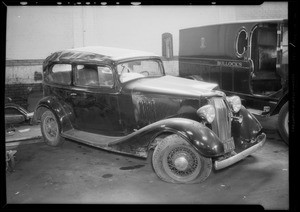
[50, 129]
[175, 160]
[283, 122]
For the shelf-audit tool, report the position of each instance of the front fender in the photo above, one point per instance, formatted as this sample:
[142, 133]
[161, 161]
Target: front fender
[246, 130]
[205, 141]
[61, 110]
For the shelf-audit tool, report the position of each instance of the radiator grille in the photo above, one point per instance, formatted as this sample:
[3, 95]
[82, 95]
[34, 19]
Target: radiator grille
[222, 123]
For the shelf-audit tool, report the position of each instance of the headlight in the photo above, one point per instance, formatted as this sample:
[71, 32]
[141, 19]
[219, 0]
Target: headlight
[235, 103]
[207, 112]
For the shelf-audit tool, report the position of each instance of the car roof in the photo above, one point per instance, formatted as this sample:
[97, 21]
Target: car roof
[114, 53]
[254, 21]
[96, 54]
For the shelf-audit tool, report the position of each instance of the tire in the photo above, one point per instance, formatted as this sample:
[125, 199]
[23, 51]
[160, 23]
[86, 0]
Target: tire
[283, 122]
[51, 129]
[176, 161]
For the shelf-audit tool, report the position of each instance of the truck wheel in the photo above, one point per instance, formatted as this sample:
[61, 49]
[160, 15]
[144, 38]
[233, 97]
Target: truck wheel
[50, 129]
[283, 122]
[176, 161]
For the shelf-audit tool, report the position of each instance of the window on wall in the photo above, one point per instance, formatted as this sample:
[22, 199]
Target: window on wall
[93, 76]
[60, 73]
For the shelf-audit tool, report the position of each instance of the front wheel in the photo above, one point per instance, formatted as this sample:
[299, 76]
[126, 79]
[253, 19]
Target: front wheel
[175, 160]
[50, 129]
[283, 122]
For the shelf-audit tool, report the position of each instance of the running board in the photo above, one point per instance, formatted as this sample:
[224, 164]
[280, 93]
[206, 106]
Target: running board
[88, 138]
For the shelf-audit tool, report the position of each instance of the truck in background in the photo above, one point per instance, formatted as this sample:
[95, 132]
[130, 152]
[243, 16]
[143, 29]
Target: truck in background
[245, 58]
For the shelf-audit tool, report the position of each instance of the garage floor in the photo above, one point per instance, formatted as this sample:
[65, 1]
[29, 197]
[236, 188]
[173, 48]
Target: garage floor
[75, 173]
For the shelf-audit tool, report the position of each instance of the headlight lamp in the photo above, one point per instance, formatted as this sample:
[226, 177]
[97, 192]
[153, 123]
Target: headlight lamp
[235, 103]
[207, 112]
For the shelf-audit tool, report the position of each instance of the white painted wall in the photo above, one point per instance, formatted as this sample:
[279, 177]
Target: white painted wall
[33, 32]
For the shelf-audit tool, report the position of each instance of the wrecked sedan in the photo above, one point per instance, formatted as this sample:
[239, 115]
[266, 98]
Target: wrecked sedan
[121, 100]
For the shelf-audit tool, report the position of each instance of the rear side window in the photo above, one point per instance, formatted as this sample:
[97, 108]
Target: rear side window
[93, 76]
[60, 73]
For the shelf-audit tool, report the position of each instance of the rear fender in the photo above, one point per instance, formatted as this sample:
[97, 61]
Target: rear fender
[61, 110]
[205, 141]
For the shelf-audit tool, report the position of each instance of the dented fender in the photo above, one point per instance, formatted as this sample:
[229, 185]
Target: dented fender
[246, 130]
[204, 140]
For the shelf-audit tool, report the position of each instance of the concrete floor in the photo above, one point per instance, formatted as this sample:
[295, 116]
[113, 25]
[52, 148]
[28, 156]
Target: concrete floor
[75, 173]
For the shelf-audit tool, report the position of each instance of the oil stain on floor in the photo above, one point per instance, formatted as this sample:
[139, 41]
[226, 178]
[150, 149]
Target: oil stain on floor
[131, 167]
[107, 175]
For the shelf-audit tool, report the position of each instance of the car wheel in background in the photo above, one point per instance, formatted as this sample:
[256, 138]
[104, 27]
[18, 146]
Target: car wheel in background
[283, 122]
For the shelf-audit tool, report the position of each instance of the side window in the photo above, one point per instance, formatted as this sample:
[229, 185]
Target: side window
[105, 76]
[60, 73]
[93, 76]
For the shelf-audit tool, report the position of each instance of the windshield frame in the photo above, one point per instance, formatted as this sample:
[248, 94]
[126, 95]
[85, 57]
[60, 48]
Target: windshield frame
[155, 59]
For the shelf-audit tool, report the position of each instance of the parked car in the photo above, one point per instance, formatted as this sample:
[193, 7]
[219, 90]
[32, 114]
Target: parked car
[122, 101]
[245, 58]
[15, 114]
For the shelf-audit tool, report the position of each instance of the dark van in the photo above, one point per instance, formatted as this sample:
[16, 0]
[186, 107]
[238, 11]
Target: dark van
[248, 59]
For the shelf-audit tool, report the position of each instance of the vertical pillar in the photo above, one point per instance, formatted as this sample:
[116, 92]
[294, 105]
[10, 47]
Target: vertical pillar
[167, 45]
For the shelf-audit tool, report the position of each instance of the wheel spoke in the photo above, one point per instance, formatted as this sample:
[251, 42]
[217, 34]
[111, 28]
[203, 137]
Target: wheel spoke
[50, 127]
[188, 156]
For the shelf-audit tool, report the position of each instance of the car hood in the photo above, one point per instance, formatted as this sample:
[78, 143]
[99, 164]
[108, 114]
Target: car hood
[170, 85]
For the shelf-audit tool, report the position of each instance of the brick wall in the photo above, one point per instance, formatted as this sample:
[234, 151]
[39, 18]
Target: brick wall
[23, 71]
[22, 78]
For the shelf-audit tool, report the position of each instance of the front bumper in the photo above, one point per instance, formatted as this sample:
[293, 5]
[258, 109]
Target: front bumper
[261, 139]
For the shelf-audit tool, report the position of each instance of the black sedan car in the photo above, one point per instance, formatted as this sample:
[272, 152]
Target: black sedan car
[121, 100]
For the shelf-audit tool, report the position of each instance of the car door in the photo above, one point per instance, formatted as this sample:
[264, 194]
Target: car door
[94, 100]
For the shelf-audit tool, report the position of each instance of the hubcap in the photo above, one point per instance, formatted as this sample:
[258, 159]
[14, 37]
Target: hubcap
[181, 162]
[50, 128]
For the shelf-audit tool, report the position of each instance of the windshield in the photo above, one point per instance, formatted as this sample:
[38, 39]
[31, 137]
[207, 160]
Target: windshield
[137, 69]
